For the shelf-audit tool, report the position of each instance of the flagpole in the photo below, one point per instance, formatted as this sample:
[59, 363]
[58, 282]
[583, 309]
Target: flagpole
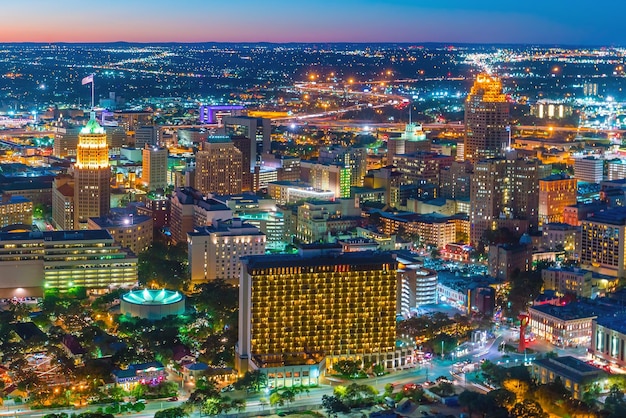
[92, 94]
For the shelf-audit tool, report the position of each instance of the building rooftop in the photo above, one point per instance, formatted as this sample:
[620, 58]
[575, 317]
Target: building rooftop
[579, 310]
[571, 368]
[288, 260]
[114, 221]
[83, 235]
[13, 199]
[616, 322]
[613, 216]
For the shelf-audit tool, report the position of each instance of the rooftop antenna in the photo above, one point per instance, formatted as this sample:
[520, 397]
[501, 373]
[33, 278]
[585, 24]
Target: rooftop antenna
[410, 111]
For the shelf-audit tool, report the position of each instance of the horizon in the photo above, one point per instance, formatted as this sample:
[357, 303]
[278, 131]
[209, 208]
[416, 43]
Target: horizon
[323, 21]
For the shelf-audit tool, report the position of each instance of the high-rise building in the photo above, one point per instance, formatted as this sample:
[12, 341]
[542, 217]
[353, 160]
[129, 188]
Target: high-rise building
[505, 193]
[92, 175]
[454, 181]
[259, 130]
[388, 178]
[603, 242]
[353, 158]
[304, 309]
[486, 119]
[65, 141]
[413, 139]
[146, 135]
[215, 251]
[116, 138]
[334, 177]
[63, 202]
[555, 193]
[421, 168]
[219, 167]
[154, 167]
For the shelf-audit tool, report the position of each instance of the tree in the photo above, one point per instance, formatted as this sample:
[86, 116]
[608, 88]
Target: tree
[252, 381]
[288, 396]
[518, 387]
[177, 412]
[503, 398]
[276, 399]
[333, 405]
[446, 389]
[238, 404]
[528, 409]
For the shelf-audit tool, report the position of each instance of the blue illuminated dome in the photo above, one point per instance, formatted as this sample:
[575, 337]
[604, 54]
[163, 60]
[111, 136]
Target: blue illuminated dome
[152, 303]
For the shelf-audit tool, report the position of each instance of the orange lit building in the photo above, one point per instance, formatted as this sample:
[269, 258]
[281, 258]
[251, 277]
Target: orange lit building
[92, 175]
[486, 119]
[555, 193]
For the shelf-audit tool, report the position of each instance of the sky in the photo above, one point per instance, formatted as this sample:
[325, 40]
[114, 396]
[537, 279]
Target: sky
[572, 22]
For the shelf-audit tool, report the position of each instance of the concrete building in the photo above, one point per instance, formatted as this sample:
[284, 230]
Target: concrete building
[568, 281]
[389, 179]
[65, 141]
[259, 130]
[555, 193]
[134, 232]
[319, 219]
[32, 262]
[505, 193]
[154, 167]
[421, 167]
[215, 251]
[147, 135]
[219, 167]
[609, 339]
[189, 208]
[487, 130]
[616, 169]
[63, 202]
[416, 286]
[589, 169]
[576, 375]
[603, 241]
[315, 309]
[561, 235]
[92, 175]
[506, 259]
[567, 325]
[334, 177]
[353, 158]
[454, 180]
[433, 229]
[15, 210]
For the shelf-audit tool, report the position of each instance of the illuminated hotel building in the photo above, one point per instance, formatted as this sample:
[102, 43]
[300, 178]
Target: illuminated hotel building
[219, 167]
[134, 232]
[486, 119]
[602, 242]
[334, 177]
[15, 210]
[92, 175]
[307, 308]
[555, 193]
[154, 167]
[59, 260]
[215, 251]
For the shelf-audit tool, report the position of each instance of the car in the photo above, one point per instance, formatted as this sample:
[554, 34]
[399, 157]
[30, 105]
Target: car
[173, 399]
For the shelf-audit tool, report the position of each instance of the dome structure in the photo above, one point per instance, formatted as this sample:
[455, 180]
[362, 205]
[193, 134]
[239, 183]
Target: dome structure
[153, 304]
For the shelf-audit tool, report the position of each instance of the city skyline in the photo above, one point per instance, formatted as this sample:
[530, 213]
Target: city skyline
[279, 21]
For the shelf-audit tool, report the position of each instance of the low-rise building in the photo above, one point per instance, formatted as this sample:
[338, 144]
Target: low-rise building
[568, 280]
[568, 325]
[144, 373]
[417, 286]
[134, 232]
[15, 210]
[576, 375]
[285, 192]
[506, 259]
[609, 339]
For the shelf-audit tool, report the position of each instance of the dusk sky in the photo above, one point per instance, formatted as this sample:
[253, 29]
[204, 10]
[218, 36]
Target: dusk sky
[486, 21]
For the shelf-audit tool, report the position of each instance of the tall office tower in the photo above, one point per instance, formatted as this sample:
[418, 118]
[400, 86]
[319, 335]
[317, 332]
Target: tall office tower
[334, 177]
[215, 251]
[421, 167]
[388, 178]
[116, 138]
[555, 193]
[92, 175]
[182, 205]
[302, 309]
[65, 141]
[154, 167]
[219, 167]
[146, 135]
[413, 139]
[454, 181]
[486, 119]
[353, 158]
[259, 130]
[63, 202]
[244, 144]
[505, 194]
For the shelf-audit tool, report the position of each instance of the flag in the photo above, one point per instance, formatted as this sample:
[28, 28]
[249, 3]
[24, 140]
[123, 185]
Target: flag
[88, 79]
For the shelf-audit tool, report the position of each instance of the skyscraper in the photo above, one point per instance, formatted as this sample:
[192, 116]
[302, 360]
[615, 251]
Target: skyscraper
[154, 167]
[219, 167]
[92, 175]
[486, 119]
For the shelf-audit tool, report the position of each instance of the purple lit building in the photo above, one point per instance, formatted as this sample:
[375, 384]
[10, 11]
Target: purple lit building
[214, 114]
